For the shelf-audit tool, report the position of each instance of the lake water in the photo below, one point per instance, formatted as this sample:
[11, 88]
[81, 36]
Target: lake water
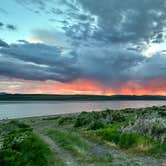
[17, 109]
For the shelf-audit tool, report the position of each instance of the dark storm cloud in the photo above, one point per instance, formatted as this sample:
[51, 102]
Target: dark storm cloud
[56, 11]
[128, 21]
[1, 24]
[36, 6]
[110, 65]
[151, 68]
[69, 3]
[7, 26]
[36, 62]
[116, 65]
[37, 53]
[23, 41]
[40, 3]
[11, 27]
[3, 44]
[102, 41]
[80, 32]
[30, 71]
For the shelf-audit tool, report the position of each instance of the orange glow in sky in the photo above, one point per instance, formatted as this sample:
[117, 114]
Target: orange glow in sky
[152, 87]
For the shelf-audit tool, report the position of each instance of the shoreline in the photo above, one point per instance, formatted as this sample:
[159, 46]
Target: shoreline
[76, 113]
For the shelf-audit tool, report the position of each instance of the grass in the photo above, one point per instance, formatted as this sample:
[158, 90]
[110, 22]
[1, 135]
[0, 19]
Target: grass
[126, 140]
[66, 120]
[22, 147]
[33, 151]
[77, 146]
[132, 141]
[97, 120]
[158, 149]
[107, 124]
[69, 141]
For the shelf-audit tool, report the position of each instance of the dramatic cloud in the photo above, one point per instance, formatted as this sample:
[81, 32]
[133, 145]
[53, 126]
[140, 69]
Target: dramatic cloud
[3, 44]
[1, 24]
[116, 46]
[43, 62]
[109, 20]
[36, 62]
[128, 21]
[8, 26]
[11, 27]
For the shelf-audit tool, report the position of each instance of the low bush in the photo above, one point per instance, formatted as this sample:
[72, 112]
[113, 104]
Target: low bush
[158, 149]
[52, 118]
[118, 116]
[92, 120]
[162, 113]
[9, 157]
[14, 126]
[124, 140]
[96, 125]
[83, 119]
[158, 128]
[22, 147]
[65, 120]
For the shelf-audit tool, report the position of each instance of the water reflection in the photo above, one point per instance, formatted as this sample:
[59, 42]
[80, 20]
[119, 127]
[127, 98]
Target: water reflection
[19, 109]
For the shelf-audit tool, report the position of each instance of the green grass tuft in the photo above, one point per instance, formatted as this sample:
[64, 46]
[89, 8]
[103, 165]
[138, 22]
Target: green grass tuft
[124, 140]
[22, 147]
[77, 146]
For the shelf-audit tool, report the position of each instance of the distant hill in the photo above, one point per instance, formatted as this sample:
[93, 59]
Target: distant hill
[3, 93]
[38, 97]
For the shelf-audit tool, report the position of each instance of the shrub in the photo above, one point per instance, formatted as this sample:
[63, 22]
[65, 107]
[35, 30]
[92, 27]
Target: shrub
[52, 118]
[124, 140]
[18, 124]
[128, 140]
[162, 113]
[158, 148]
[9, 157]
[91, 119]
[14, 126]
[118, 117]
[65, 120]
[111, 133]
[158, 128]
[83, 119]
[22, 147]
[97, 125]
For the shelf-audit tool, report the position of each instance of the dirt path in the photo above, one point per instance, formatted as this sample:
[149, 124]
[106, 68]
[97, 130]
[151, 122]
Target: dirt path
[59, 152]
[128, 159]
[120, 158]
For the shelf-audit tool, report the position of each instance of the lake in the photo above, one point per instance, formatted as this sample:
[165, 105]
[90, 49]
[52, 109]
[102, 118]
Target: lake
[18, 109]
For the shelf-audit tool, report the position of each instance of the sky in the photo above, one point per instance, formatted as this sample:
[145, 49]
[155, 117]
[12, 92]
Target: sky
[103, 47]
